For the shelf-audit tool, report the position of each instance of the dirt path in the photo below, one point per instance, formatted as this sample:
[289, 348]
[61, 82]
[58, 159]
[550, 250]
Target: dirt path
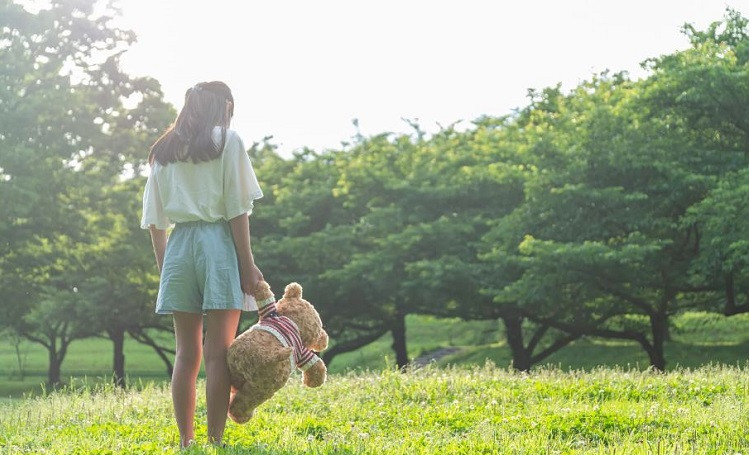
[433, 356]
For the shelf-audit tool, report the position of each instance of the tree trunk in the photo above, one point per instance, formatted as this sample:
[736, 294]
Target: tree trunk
[55, 366]
[659, 327]
[398, 331]
[20, 357]
[667, 333]
[521, 359]
[731, 308]
[730, 294]
[117, 336]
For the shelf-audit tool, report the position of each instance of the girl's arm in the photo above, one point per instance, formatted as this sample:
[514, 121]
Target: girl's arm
[249, 274]
[158, 239]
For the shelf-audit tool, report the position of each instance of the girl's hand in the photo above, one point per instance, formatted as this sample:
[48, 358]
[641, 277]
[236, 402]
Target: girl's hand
[250, 279]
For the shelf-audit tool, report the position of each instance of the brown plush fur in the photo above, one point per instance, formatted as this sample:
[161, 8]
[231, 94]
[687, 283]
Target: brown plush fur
[258, 363]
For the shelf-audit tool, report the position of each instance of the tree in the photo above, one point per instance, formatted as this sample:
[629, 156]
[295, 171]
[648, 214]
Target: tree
[722, 266]
[66, 135]
[702, 91]
[600, 233]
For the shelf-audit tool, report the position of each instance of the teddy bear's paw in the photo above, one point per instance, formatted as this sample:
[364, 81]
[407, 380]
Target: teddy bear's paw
[262, 291]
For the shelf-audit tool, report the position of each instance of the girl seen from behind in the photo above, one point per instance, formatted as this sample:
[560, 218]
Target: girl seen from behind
[202, 182]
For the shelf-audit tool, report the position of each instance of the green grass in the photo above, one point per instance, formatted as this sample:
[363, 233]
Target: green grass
[428, 411]
[697, 339]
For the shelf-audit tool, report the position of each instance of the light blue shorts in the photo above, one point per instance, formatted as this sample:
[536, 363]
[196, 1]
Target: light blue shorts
[200, 270]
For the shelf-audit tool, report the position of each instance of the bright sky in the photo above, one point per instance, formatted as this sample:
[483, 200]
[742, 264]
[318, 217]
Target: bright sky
[303, 70]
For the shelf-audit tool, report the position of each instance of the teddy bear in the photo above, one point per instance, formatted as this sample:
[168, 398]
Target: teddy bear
[262, 358]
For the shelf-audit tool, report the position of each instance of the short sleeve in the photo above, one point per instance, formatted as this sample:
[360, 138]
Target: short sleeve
[153, 208]
[240, 183]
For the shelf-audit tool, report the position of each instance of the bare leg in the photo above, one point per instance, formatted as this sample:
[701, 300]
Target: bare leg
[221, 326]
[188, 331]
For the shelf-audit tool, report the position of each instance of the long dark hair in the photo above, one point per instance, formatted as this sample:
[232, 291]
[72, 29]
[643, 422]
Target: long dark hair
[190, 137]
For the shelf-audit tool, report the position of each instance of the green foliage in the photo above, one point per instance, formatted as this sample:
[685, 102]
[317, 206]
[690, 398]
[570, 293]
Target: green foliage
[67, 140]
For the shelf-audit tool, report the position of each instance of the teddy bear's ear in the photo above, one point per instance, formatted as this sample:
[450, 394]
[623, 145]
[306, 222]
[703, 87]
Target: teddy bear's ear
[293, 291]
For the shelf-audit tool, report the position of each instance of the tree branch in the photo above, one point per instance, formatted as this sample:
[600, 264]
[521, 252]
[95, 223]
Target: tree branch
[351, 345]
[557, 345]
[536, 339]
[35, 339]
[594, 330]
[600, 281]
[161, 351]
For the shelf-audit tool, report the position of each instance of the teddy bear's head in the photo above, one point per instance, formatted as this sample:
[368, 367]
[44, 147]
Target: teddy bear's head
[305, 316]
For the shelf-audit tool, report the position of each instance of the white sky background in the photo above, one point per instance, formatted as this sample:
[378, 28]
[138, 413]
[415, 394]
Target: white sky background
[302, 70]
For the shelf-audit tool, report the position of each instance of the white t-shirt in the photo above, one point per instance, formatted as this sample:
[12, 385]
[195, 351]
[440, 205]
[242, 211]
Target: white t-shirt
[222, 188]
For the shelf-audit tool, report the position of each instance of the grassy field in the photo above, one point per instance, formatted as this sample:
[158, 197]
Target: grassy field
[697, 339]
[479, 410]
